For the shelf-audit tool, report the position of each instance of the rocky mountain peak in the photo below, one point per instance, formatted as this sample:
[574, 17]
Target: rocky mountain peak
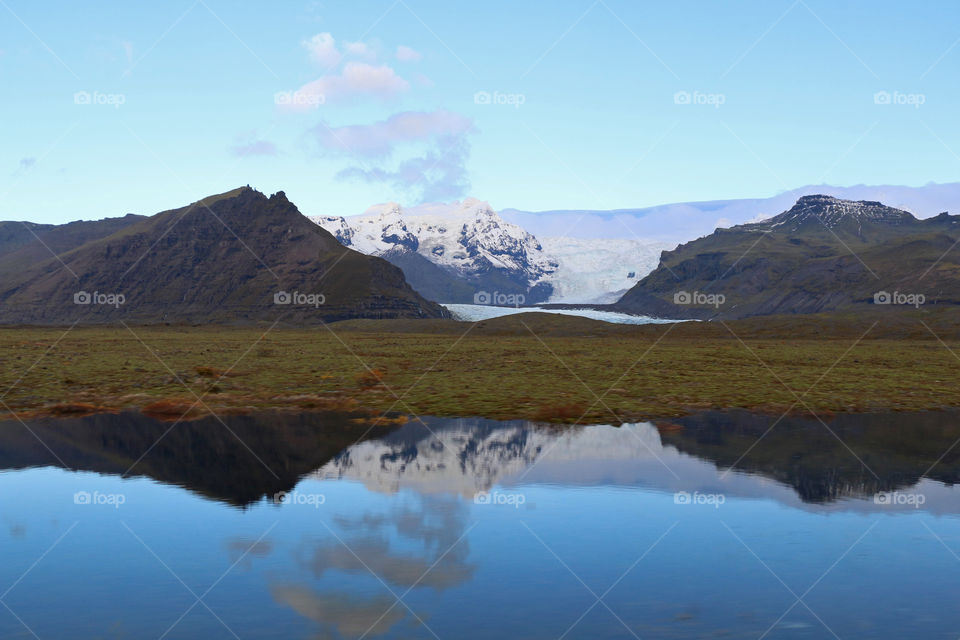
[466, 238]
[830, 211]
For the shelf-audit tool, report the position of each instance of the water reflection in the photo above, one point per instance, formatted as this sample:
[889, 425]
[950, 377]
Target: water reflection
[235, 459]
[349, 616]
[419, 544]
[848, 455]
[399, 548]
[244, 459]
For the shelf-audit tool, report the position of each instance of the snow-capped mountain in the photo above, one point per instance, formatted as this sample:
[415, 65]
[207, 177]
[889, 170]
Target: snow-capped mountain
[468, 237]
[451, 252]
[474, 455]
[825, 210]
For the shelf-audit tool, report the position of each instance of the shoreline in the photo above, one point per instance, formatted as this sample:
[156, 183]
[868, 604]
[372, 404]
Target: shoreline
[368, 415]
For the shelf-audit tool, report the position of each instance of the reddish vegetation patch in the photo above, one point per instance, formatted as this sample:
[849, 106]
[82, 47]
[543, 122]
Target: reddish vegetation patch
[74, 409]
[210, 372]
[172, 410]
[370, 379]
[669, 426]
[383, 421]
[560, 412]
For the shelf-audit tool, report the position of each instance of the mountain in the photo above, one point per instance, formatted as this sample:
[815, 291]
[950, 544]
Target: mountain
[818, 462]
[14, 235]
[452, 252]
[238, 460]
[31, 243]
[472, 456]
[471, 247]
[823, 254]
[237, 257]
[683, 221]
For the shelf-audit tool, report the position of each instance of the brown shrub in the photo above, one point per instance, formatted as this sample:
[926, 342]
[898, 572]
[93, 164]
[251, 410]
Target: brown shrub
[168, 409]
[560, 413]
[73, 409]
[370, 379]
[209, 372]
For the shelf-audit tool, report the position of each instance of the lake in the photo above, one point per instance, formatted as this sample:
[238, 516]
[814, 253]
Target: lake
[723, 524]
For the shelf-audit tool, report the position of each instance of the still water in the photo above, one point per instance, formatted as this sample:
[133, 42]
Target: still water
[316, 526]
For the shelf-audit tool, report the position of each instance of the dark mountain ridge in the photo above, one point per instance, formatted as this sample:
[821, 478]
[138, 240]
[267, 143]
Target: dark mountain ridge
[237, 257]
[823, 254]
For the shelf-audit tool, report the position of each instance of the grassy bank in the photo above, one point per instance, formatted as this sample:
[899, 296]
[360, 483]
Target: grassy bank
[534, 366]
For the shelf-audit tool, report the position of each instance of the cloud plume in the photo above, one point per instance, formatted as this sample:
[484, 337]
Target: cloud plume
[379, 139]
[357, 80]
[437, 150]
[439, 174]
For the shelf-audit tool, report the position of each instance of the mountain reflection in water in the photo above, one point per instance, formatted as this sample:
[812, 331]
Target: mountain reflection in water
[389, 539]
[241, 460]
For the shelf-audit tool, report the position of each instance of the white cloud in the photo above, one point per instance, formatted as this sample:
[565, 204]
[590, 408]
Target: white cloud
[406, 54]
[380, 138]
[358, 79]
[360, 50]
[323, 50]
[760, 217]
[436, 170]
[439, 174]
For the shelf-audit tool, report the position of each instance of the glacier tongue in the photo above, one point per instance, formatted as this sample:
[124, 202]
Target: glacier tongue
[599, 271]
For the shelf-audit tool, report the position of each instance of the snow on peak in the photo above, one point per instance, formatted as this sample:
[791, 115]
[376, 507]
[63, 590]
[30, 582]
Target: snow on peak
[469, 237]
[473, 455]
[466, 236]
[831, 211]
[382, 210]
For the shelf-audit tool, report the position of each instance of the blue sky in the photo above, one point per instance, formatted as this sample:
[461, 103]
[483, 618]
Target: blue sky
[600, 105]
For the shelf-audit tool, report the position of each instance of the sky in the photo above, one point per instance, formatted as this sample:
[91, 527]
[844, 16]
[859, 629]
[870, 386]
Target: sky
[117, 107]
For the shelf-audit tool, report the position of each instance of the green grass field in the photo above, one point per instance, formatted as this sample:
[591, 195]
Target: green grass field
[539, 367]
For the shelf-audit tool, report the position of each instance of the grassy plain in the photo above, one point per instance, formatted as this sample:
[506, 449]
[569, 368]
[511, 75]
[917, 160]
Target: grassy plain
[533, 366]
